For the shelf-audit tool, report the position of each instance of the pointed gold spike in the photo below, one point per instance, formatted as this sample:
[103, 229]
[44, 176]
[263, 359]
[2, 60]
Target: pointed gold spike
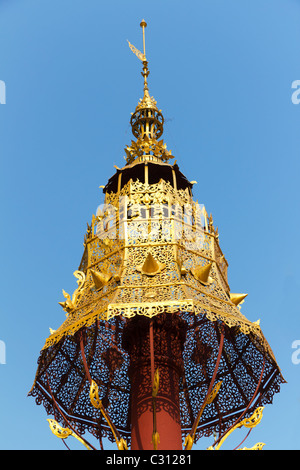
[201, 273]
[236, 299]
[100, 279]
[151, 266]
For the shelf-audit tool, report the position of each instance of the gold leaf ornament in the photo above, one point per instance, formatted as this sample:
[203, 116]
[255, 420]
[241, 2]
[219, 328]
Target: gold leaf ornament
[94, 396]
[254, 420]
[58, 430]
[97, 403]
[63, 433]
[251, 422]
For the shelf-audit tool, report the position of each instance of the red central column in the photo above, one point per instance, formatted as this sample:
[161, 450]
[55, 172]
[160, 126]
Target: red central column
[166, 351]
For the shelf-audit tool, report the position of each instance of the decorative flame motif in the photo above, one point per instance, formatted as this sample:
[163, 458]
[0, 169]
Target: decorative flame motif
[146, 146]
[63, 433]
[70, 304]
[97, 403]
[138, 53]
[251, 422]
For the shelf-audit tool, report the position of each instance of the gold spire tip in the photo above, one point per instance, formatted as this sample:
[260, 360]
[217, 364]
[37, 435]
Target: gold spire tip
[143, 25]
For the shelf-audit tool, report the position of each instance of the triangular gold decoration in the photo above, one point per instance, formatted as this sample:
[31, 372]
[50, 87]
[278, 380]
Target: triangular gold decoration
[236, 299]
[100, 279]
[151, 266]
[201, 273]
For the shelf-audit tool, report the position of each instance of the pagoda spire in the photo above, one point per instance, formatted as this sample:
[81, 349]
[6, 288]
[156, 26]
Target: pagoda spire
[154, 351]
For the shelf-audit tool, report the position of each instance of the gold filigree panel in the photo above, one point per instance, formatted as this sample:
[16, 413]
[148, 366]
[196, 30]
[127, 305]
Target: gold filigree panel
[151, 224]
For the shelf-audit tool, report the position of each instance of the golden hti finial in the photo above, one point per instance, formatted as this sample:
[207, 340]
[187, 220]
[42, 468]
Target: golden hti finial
[147, 120]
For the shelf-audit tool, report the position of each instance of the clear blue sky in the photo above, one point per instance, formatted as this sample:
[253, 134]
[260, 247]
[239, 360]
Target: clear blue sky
[221, 72]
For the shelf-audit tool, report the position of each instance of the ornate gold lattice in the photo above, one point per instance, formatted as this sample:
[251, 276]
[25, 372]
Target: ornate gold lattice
[152, 252]
[153, 220]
